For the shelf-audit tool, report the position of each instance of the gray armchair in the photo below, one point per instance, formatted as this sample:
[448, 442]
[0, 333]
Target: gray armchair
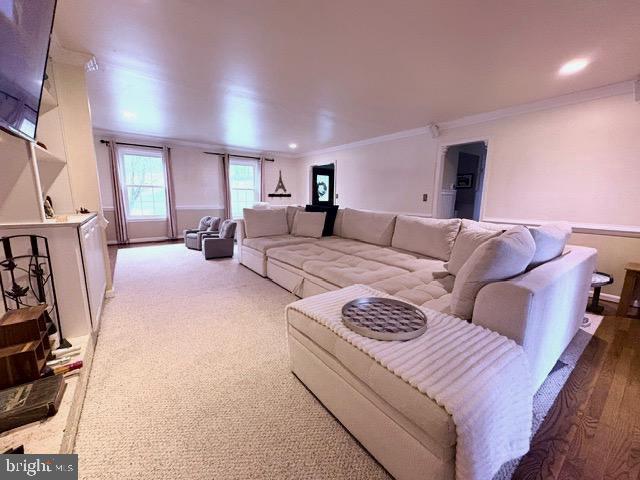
[208, 227]
[220, 245]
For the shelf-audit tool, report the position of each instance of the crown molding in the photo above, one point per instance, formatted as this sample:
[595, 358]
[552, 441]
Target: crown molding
[174, 142]
[612, 90]
[434, 129]
[369, 141]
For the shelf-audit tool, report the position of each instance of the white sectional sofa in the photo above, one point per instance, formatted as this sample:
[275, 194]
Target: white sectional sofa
[424, 261]
[413, 258]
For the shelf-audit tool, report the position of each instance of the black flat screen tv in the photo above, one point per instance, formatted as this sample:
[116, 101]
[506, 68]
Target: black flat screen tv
[25, 33]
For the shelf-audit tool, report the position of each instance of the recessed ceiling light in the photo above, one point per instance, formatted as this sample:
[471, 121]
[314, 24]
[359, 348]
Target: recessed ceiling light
[293, 146]
[573, 66]
[128, 115]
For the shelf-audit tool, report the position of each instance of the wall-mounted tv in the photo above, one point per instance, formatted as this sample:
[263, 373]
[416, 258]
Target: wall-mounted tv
[25, 32]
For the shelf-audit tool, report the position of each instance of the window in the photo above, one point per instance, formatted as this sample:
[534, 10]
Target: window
[244, 183]
[144, 184]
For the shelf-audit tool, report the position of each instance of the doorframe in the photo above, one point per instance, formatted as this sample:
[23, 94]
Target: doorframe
[439, 173]
[310, 180]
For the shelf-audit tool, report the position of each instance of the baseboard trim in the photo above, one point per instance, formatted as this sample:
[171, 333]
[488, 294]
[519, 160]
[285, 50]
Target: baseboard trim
[578, 227]
[614, 298]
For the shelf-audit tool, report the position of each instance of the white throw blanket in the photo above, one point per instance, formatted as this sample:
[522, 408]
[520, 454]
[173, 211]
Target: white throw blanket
[478, 376]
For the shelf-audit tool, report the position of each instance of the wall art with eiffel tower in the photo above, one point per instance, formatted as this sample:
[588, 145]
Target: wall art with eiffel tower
[279, 187]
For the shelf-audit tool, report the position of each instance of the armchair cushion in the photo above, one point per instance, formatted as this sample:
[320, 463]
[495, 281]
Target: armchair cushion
[227, 229]
[204, 223]
[214, 224]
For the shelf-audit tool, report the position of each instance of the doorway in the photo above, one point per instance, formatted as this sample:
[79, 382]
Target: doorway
[462, 181]
[323, 184]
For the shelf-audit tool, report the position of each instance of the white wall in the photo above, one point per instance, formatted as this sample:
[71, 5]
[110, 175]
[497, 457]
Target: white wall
[198, 187]
[578, 162]
[389, 176]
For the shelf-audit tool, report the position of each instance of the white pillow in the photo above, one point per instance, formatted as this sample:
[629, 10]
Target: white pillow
[469, 238]
[265, 223]
[308, 224]
[428, 236]
[550, 239]
[497, 259]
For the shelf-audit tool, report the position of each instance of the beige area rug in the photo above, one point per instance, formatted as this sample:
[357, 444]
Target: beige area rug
[191, 381]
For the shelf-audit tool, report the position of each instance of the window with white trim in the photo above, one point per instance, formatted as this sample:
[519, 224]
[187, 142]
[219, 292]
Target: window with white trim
[244, 184]
[144, 184]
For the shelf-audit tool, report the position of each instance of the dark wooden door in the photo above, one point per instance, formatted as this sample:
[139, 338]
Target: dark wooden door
[322, 179]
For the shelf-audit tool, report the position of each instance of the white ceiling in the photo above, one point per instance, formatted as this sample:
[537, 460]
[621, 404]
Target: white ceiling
[261, 74]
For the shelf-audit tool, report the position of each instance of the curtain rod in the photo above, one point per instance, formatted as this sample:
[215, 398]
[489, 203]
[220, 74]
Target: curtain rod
[239, 156]
[132, 144]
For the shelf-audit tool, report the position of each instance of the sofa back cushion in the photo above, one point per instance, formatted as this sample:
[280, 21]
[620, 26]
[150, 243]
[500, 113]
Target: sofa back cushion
[264, 223]
[337, 224]
[469, 238]
[499, 258]
[370, 227]
[427, 236]
[550, 239]
[308, 224]
[292, 210]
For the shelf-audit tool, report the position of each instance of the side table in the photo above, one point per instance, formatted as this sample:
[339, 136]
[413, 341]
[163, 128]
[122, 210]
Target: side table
[630, 289]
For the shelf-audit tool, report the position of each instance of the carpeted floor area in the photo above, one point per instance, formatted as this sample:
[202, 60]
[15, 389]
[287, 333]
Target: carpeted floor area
[191, 380]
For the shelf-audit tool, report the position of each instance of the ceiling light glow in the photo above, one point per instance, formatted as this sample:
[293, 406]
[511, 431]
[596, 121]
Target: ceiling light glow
[128, 115]
[293, 146]
[573, 66]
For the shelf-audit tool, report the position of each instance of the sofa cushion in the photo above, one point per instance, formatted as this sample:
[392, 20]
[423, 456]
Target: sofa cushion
[350, 270]
[297, 255]
[395, 258]
[308, 224]
[330, 219]
[499, 227]
[370, 227]
[344, 245]
[497, 259]
[420, 288]
[263, 244]
[337, 225]
[550, 239]
[427, 236]
[292, 210]
[265, 223]
[469, 238]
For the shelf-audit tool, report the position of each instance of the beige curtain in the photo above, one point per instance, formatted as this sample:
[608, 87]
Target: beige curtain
[226, 186]
[172, 224]
[263, 191]
[122, 235]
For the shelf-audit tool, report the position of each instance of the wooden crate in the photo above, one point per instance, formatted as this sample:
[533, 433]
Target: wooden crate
[24, 345]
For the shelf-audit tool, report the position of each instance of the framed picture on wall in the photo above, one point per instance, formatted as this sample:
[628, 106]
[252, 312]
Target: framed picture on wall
[465, 180]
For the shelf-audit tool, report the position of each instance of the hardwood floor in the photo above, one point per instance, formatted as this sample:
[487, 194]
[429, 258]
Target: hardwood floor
[593, 429]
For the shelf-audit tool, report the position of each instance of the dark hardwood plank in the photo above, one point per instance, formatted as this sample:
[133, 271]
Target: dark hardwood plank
[593, 429]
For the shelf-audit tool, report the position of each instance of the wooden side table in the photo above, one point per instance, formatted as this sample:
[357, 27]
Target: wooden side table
[630, 289]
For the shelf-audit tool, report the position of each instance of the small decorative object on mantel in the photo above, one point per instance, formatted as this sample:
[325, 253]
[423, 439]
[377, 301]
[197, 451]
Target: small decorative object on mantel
[279, 187]
[48, 207]
[384, 318]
